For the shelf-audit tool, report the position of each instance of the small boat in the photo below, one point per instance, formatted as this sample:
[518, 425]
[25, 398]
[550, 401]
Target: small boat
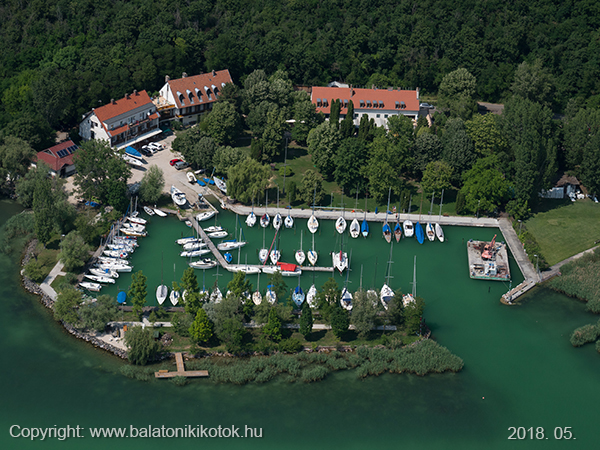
[298, 296]
[130, 151]
[208, 181]
[205, 215]
[213, 229]
[439, 232]
[191, 177]
[188, 224]
[409, 229]
[300, 256]
[354, 229]
[398, 231]
[149, 211]
[228, 257]
[387, 232]
[162, 292]
[200, 182]
[311, 296]
[194, 253]
[160, 213]
[251, 219]
[100, 279]
[263, 254]
[340, 224]
[109, 260]
[277, 221]
[289, 221]
[289, 270]
[104, 272]
[120, 247]
[386, 295]
[218, 234]
[174, 297]
[230, 245]
[364, 228]
[216, 296]
[340, 260]
[346, 300]
[257, 298]
[132, 161]
[247, 269]
[312, 257]
[419, 233]
[407, 300]
[91, 286]
[132, 232]
[264, 220]
[430, 231]
[115, 267]
[133, 226]
[178, 197]
[221, 185]
[115, 253]
[270, 294]
[270, 269]
[274, 256]
[205, 263]
[194, 246]
[313, 224]
[137, 220]
[187, 240]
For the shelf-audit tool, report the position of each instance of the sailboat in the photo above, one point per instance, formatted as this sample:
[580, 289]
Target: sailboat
[410, 298]
[312, 255]
[420, 235]
[257, 296]
[277, 221]
[364, 227]
[298, 295]
[174, 297]
[300, 256]
[398, 227]
[387, 293]
[270, 294]
[409, 229]
[311, 296]
[340, 259]
[340, 223]
[251, 219]
[265, 219]
[289, 220]
[263, 253]
[430, 227]
[354, 228]
[346, 298]
[387, 231]
[275, 255]
[162, 291]
[216, 296]
[313, 223]
[439, 232]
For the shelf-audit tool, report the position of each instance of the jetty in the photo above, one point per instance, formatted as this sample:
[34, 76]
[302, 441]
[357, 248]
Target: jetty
[180, 372]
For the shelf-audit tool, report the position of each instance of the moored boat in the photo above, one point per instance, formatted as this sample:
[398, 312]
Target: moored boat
[386, 295]
[251, 219]
[221, 185]
[439, 232]
[289, 221]
[430, 231]
[160, 213]
[205, 263]
[217, 234]
[298, 296]
[270, 294]
[194, 246]
[95, 287]
[346, 300]
[104, 272]
[419, 234]
[194, 253]
[313, 224]
[409, 229]
[277, 221]
[398, 231]
[264, 220]
[387, 232]
[149, 211]
[205, 215]
[174, 297]
[100, 279]
[311, 296]
[162, 292]
[354, 228]
[187, 240]
[340, 225]
[340, 260]
[214, 228]
[230, 245]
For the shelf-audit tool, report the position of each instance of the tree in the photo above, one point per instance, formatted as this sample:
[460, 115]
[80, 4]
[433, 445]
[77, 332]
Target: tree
[141, 345]
[437, 176]
[306, 320]
[334, 113]
[347, 128]
[232, 333]
[101, 174]
[456, 92]
[413, 313]
[312, 188]
[328, 297]
[223, 123]
[32, 128]
[272, 136]
[201, 329]
[226, 318]
[401, 130]
[305, 115]
[152, 185]
[350, 159]
[196, 147]
[383, 169]
[95, 315]
[323, 142]
[485, 134]
[339, 320]
[292, 192]
[458, 150]
[15, 157]
[366, 128]
[581, 141]
[533, 82]
[247, 180]
[485, 187]
[364, 313]
[65, 307]
[428, 148]
[137, 292]
[74, 252]
[239, 285]
[226, 157]
[272, 329]
[25, 186]
[43, 208]
[280, 288]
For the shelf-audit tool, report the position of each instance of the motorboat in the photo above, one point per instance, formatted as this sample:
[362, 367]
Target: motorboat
[289, 221]
[419, 233]
[346, 300]
[205, 215]
[298, 296]
[439, 232]
[95, 287]
[149, 211]
[340, 224]
[187, 240]
[205, 263]
[191, 177]
[409, 229]
[340, 260]
[178, 196]
[251, 219]
[110, 260]
[398, 231]
[133, 226]
[430, 232]
[104, 272]
[386, 295]
[214, 228]
[115, 253]
[218, 234]
[311, 296]
[264, 220]
[313, 224]
[162, 292]
[230, 245]
[246, 268]
[160, 213]
[115, 267]
[132, 232]
[120, 247]
[131, 161]
[100, 279]
[194, 253]
[277, 221]
[137, 220]
[270, 269]
[194, 246]
[188, 224]
[354, 229]
[221, 185]
[228, 257]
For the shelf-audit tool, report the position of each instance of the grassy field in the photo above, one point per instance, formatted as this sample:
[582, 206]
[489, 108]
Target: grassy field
[566, 230]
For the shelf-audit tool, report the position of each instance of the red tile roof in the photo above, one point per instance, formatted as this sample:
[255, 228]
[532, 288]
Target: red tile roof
[194, 87]
[50, 156]
[123, 105]
[388, 97]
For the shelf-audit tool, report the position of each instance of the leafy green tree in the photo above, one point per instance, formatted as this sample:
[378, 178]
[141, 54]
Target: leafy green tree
[201, 329]
[366, 128]
[32, 128]
[437, 176]
[280, 288]
[239, 285]
[95, 315]
[25, 186]
[456, 92]
[226, 157]
[227, 309]
[339, 321]
[196, 147]
[323, 142]
[137, 292]
[152, 185]
[458, 150]
[334, 113]
[581, 141]
[305, 115]
[230, 93]
[401, 130]
[223, 123]
[44, 213]
[347, 128]
[329, 296]
[312, 187]
[247, 180]
[272, 136]
[350, 160]
[413, 312]
[485, 187]
[232, 334]
[182, 323]
[306, 320]
[383, 169]
[256, 149]
[141, 346]
[364, 313]
[533, 82]
[460, 202]
[74, 252]
[15, 157]
[485, 134]
[428, 148]
[272, 329]
[65, 307]
[292, 192]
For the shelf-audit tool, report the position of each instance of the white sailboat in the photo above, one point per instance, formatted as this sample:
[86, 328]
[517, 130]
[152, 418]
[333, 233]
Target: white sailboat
[387, 293]
[271, 296]
[340, 260]
[265, 219]
[159, 213]
[205, 215]
[439, 232]
[95, 287]
[311, 296]
[263, 253]
[251, 219]
[104, 272]
[409, 229]
[100, 279]
[340, 223]
[313, 223]
[354, 228]
[277, 220]
[312, 255]
[289, 221]
[257, 296]
[174, 296]
[346, 298]
[430, 231]
[300, 255]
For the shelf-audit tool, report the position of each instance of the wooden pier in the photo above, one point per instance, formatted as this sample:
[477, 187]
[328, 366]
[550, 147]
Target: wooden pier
[181, 372]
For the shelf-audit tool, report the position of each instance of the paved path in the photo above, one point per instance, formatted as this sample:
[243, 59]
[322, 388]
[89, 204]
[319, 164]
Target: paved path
[45, 285]
[516, 248]
[555, 269]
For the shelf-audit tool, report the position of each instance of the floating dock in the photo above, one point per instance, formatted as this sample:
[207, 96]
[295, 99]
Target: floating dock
[180, 372]
[494, 268]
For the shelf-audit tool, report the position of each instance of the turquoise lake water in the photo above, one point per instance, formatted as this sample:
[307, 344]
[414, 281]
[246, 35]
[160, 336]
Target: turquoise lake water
[520, 370]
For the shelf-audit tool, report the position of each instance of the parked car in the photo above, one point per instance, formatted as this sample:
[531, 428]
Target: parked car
[181, 165]
[156, 145]
[147, 151]
[426, 106]
[174, 161]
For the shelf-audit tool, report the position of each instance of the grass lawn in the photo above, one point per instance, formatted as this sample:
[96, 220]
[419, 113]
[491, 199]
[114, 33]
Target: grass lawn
[566, 230]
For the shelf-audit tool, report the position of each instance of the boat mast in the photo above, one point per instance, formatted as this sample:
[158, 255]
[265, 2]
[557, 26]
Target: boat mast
[441, 201]
[431, 207]
[361, 273]
[389, 274]
[414, 281]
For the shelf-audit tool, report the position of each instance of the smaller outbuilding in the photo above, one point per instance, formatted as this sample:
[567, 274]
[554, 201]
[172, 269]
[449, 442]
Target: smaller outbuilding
[60, 158]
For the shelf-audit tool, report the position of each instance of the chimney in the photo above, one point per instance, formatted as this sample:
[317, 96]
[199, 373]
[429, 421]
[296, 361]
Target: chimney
[135, 92]
[183, 75]
[167, 78]
[351, 91]
[417, 93]
[112, 100]
[214, 73]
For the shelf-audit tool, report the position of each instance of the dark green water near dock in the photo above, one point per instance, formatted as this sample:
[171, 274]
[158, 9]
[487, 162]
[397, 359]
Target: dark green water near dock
[518, 358]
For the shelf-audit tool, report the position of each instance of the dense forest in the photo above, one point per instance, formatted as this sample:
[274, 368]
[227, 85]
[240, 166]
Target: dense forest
[60, 58]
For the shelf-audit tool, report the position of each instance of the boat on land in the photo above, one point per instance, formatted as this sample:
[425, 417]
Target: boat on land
[205, 263]
[100, 279]
[104, 272]
[131, 161]
[311, 296]
[208, 181]
[178, 197]
[354, 229]
[439, 232]
[298, 295]
[191, 178]
[130, 151]
[430, 231]
[221, 185]
[200, 182]
[205, 215]
[300, 255]
[160, 213]
[149, 211]
[194, 253]
[95, 287]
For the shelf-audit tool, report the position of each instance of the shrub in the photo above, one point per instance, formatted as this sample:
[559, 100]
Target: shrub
[460, 203]
[316, 373]
[179, 381]
[34, 270]
[583, 335]
[290, 345]
[287, 170]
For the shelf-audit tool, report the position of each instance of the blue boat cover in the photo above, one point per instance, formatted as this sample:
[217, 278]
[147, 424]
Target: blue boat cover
[132, 151]
[419, 233]
[121, 297]
[201, 183]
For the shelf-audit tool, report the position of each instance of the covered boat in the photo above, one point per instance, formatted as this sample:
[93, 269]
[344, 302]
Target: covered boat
[289, 269]
[133, 153]
[221, 185]
[364, 228]
[178, 196]
[298, 296]
[419, 234]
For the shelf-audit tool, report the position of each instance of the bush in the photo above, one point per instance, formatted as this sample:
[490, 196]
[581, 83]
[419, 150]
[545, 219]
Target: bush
[141, 345]
[179, 381]
[35, 271]
[583, 335]
[290, 345]
[182, 323]
[460, 203]
[292, 192]
[286, 170]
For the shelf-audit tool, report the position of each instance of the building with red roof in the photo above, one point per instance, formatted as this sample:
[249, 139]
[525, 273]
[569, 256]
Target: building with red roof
[377, 104]
[127, 121]
[188, 98]
[60, 158]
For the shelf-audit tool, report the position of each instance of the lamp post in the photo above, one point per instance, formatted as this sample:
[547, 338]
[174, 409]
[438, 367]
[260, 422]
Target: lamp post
[478, 202]
[537, 267]
[285, 161]
[520, 225]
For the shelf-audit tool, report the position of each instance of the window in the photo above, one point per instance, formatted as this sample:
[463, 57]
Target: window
[356, 116]
[378, 115]
[386, 116]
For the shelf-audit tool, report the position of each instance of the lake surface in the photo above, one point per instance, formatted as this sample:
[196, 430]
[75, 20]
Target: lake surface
[520, 369]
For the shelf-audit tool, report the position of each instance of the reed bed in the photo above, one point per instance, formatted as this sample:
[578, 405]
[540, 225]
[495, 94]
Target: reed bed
[580, 279]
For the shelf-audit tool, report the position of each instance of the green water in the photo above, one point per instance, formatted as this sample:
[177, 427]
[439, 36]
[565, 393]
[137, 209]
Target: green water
[518, 358]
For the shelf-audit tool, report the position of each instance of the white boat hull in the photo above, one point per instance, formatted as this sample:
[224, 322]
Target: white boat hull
[340, 262]
[217, 234]
[288, 222]
[313, 224]
[346, 300]
[251, 220]
[340, 225]
[194, 253]
[275, 256]
[257, 298]
[386, 295]
[430, 232]
[174, 297]
[263, 254]
[149, 211]
[225, 246]
[311, 296]
[205, 216]
[160, 213]
[100, 279]
[409, 229]
[277, 221]
[203, 264]
[312, 257]
[162, 292]
[439, 232]
[300, 257]
[354, 229]
[95, 287]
